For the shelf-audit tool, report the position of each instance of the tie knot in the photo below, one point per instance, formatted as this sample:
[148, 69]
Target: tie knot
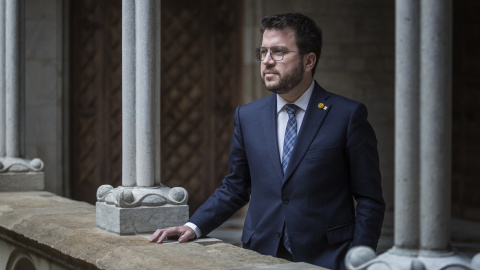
[291, 108]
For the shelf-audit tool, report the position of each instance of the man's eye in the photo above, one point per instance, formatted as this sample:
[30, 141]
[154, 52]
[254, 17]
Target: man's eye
[276, 50]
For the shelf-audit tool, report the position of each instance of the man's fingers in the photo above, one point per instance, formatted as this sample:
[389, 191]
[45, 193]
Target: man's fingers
[162, 236]
[172, 231]
[155, 235]
[184, 233]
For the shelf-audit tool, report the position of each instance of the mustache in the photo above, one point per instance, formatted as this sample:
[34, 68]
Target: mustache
[270, 71]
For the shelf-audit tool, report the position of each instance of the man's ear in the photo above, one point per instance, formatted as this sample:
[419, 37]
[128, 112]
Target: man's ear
[310, 59]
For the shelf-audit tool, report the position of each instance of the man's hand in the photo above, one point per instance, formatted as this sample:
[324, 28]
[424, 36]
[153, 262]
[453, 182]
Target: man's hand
[184, 234]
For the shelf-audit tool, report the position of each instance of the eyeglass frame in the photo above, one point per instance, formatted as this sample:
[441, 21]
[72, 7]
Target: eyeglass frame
[283, 50]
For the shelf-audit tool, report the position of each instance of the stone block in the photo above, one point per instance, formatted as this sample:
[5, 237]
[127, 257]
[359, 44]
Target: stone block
[143, 219]
[21, 181]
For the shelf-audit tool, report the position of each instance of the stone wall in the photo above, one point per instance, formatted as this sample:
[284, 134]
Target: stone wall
[44, 83]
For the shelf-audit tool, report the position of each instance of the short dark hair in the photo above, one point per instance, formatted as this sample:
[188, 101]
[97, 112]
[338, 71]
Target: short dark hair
[308, 35]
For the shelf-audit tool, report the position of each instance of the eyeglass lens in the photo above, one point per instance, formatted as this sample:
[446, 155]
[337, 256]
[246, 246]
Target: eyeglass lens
[276, 53]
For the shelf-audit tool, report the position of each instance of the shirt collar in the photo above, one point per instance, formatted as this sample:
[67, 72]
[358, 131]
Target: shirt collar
[301, 102]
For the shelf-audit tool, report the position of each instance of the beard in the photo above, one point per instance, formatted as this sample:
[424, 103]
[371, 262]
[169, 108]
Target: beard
[287, 81]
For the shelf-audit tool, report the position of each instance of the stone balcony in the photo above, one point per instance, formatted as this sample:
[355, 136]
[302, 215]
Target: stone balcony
[40, 230]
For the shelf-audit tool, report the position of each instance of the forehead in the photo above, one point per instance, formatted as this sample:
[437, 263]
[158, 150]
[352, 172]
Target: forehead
[275, 37]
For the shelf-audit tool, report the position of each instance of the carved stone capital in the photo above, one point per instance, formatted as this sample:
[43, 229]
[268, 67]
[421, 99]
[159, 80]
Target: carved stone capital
[13, 164]
[129, 197]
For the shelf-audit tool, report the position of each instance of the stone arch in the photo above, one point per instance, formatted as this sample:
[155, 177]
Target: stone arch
[20, 260]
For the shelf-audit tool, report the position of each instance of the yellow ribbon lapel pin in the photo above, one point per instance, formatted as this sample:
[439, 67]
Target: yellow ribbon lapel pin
[322, 106]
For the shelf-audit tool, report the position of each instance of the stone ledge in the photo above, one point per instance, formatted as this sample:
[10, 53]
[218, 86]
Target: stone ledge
[63, 231]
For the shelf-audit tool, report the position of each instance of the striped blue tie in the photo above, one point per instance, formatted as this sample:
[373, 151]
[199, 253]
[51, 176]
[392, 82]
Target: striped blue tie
[290, 135]
[288, 143]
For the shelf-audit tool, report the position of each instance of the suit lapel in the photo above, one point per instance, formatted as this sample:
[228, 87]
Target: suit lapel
[269, 119]
[312, 121]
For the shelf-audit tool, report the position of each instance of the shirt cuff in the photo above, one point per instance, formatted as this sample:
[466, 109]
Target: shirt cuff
[194, 227]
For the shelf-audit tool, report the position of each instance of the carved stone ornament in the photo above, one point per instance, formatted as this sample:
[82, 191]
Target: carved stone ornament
[129, 197]
[12, 164]
[364, 258]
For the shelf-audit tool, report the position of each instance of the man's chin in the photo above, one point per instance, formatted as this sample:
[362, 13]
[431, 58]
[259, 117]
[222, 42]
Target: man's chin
[270, 86]
[276, 90]
[274, 87]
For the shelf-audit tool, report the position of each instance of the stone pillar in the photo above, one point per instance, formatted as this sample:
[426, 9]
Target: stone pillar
[435, 123]
[145, 48]
[422, 208]
[139, 205]
[12, 83]
[128, 94]
[3, 149]
[406, 124]
[16, 172]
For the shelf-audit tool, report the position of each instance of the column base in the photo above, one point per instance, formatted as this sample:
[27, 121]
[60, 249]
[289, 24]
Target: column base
[21, 181]
[142, 219]
[361, 257]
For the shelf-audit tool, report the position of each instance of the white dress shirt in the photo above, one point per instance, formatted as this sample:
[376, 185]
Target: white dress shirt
[282, 115]
[282, 119]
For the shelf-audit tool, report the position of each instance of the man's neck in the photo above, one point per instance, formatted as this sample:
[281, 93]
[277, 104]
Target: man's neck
[297, 92]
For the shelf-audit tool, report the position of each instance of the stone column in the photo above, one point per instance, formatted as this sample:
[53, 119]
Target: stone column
[422, 209]
[128, 94]
[406, 124]
[16, 172]
[3, 149]
[435, 123]
[140, 206]
[145, 49]
[12, 83]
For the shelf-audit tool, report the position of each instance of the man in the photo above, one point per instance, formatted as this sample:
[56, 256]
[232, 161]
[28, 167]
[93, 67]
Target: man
[300, 166]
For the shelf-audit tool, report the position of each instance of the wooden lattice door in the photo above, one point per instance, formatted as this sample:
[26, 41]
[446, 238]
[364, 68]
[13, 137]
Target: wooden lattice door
[201, 64]
[95, 97]
[200, 88]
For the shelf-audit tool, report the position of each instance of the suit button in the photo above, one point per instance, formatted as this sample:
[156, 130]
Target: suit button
[279, 234]
[285, 200]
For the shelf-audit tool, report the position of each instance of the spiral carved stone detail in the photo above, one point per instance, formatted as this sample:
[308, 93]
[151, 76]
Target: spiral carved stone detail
[11, 164]
[129, 197]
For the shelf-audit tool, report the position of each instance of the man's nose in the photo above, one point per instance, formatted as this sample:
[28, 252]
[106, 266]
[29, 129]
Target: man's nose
[268, 59]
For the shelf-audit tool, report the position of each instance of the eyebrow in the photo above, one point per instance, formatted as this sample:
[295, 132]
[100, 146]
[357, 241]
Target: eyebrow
[281, 47]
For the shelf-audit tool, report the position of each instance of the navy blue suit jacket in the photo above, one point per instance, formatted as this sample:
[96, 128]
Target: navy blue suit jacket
[334, 160]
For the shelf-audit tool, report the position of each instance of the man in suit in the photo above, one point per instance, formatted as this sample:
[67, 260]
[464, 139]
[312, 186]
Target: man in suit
[300, 157]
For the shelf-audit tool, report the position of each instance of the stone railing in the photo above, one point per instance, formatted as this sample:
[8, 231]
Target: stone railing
[39, 230]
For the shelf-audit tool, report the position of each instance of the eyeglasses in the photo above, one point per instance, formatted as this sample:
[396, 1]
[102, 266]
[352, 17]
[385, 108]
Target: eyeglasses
[276, 53]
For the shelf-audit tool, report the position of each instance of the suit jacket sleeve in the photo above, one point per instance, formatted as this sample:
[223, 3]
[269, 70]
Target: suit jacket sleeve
[362, 155]
[234, 192]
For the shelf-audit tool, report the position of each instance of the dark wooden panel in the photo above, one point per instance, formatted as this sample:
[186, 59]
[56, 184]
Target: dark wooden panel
[95, 103]
[466, 116]
[201, 63]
